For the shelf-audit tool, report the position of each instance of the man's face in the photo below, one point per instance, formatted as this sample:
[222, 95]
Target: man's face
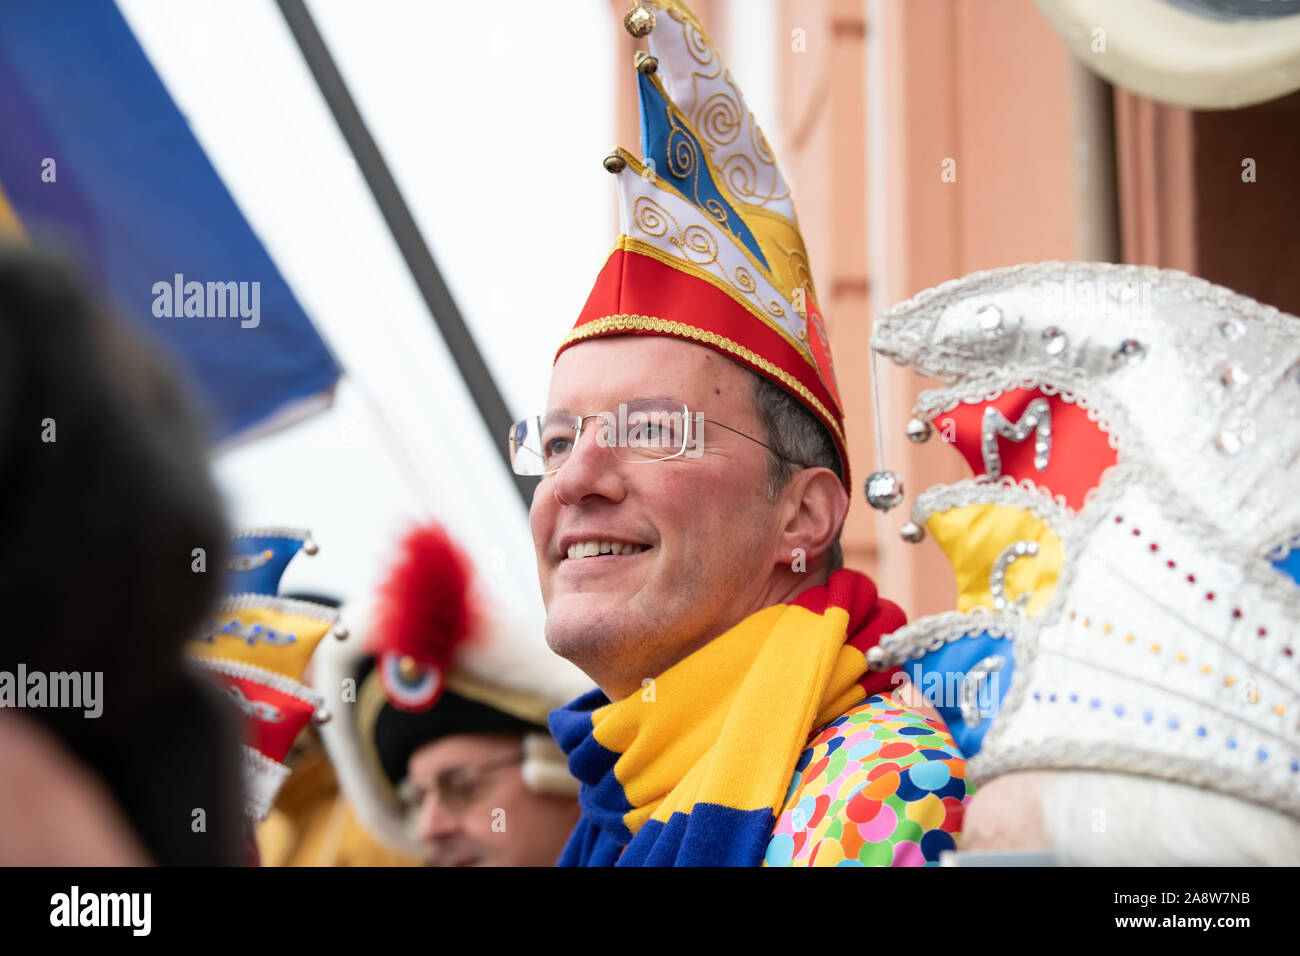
[475, 809]
[711, 537]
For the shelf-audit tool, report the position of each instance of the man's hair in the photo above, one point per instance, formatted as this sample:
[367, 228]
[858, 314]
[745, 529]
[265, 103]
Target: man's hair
[800, 441]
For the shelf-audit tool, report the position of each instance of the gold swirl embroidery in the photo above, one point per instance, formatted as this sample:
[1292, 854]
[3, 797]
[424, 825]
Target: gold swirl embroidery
[682, 155]
[800, 269]
[701, 48]
[646, 323]
[797, 264]
[696, 243]
[783, 246]
[743, 178]
[697, 45]
[716, 210]
[740, 174]
[788, 321]
[652, 218]
[698, 240]
[761, 146]
[744, 279]
[719, 119]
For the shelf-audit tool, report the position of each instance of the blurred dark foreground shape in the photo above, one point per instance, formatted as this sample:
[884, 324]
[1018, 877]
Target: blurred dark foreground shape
[105, 496]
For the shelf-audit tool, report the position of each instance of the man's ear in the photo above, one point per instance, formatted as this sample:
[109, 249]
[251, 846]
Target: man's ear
[816, 504]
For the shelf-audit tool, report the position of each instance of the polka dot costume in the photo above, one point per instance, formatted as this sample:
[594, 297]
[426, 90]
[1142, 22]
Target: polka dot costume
[881, 785]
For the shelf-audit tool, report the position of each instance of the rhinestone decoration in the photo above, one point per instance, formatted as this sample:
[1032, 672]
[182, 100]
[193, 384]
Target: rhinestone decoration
[257, 709]
[614, 163]
[1232, 329]
[645, 63]
[990, 321]
[309, 547]
[1037, 419]
[250, 634]
[1054, 340]
[884, 490]
[1231, 376]
[1130, 352]
[912, 532]
[998, 576]
[973, 683]
[918, 430]
[249, 562]
[1229, 441]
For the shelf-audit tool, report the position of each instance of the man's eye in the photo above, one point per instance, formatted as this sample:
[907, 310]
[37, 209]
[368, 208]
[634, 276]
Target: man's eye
[558, 446]
[459, 792]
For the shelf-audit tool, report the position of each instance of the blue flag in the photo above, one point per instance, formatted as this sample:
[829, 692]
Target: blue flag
[95, 157]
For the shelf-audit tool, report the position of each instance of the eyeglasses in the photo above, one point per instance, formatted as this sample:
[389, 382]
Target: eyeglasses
[457, 787]
[641, 431]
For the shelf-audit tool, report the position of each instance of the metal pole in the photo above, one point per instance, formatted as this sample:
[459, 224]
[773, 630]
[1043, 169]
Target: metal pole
[419, 260]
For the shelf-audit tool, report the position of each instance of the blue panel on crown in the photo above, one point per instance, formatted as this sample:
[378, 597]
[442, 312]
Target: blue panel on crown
[678, 157]
[257, 562]
[942, 675]
[1290, 565]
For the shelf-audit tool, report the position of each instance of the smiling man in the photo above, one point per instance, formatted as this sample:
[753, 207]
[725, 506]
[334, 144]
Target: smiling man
[694, 480]
[637, 572]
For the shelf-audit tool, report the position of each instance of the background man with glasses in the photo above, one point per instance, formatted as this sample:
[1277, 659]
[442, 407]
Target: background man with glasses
[444, 753]
[692, 485]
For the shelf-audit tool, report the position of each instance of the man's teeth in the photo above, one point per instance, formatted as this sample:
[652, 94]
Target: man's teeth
[590, 549]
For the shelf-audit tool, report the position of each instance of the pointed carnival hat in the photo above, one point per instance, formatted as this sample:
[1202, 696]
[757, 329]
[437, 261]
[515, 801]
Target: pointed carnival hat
[710, 250]
[1128, 548]
[255, 647]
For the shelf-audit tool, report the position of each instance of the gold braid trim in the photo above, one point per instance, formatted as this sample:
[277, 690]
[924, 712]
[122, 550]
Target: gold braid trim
[507, 700]
[647, 323]
[370, 701]
[633, 244]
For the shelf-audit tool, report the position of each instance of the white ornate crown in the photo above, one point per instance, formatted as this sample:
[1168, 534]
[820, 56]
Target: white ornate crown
[1128, 572]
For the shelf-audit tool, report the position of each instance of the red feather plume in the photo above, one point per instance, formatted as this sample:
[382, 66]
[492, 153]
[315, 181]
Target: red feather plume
[424, 609]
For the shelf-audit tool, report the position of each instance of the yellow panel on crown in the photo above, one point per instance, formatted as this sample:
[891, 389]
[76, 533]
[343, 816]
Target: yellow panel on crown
[973, 537]
[260, 637]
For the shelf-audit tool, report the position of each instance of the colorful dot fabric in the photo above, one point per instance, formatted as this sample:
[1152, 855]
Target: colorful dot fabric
[881, 785]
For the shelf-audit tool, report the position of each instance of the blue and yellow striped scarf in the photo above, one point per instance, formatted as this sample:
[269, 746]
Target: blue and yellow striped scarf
[692, 770]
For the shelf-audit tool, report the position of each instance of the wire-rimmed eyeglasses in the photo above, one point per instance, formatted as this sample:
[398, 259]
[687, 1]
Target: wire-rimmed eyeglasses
[640, 431]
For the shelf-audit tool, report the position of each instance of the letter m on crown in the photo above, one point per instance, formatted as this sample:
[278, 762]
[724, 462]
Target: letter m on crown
[1037, 418]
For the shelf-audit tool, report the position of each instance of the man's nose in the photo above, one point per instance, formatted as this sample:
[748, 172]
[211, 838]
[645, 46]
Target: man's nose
[592, 468]
[436, 820]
